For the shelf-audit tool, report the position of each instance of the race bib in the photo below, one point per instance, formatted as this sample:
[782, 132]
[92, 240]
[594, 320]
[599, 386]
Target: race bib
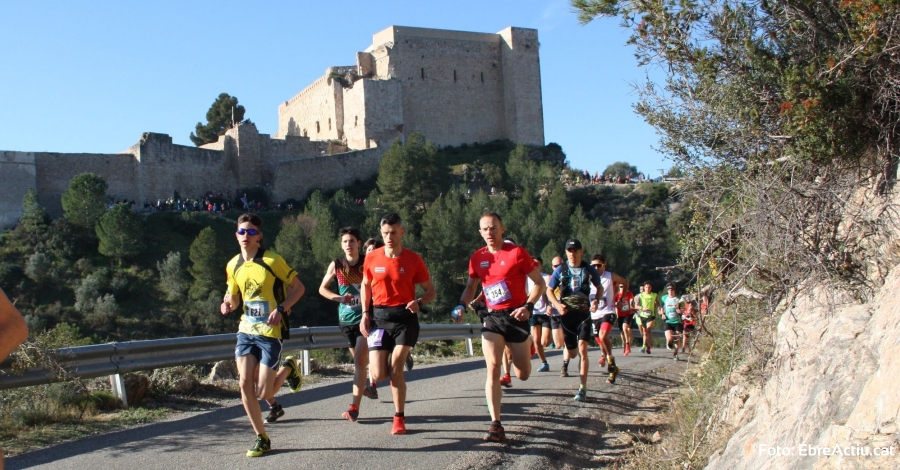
[375, 337]
[354, 302]
[593, 329]
[601, 303]
[257, 312]
[496, 293]
[575, 283]
[625, 307]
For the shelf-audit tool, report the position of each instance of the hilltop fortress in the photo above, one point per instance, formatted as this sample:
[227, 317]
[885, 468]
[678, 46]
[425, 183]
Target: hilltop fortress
[453, 87]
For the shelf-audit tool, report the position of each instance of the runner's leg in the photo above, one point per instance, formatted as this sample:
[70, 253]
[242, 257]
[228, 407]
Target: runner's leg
[398, 383]
[361, 362]
[247, 366]
[493, 346]
[536, 336]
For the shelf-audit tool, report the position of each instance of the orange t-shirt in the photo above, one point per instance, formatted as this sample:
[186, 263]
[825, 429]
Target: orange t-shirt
[394, 280]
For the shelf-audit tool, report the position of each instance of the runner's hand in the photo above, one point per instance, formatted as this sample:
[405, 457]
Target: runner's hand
[274, 318]
[226, 307]
[364, 326]
[562, 309]
[413, 306]
[346, 299]
[520, 314]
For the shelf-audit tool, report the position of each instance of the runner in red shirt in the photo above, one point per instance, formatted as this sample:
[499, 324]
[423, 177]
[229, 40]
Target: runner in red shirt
[625, 311]
[391, 325]
[502, 268]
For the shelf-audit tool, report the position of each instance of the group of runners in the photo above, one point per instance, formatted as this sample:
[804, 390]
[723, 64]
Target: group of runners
[522, 310]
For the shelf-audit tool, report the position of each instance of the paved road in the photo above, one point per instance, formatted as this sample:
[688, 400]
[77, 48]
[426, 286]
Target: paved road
[446, 419]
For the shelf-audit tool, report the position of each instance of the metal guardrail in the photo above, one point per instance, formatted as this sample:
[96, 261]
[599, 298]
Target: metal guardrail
[112, 359]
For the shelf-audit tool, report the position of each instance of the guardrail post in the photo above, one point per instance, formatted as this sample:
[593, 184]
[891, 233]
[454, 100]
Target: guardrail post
[470, 351]
[305, 355]
[118, 388]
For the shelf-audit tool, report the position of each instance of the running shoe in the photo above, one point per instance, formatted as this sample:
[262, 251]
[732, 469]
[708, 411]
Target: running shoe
[612, 375]
[294, 379]
[545, 367]
[669, 345]
[648, 349]
[495, 433]
[602, 360]
[275, 412]
[564, 372]
[612, 365]
[261, 446]
[370, 391]
[506, 381]
[399, 426]
[409, 361]
[581, 395]
[351, 414]
[682, 351]
[552, 345]
[627, 350]
[675, 355]
[643, 348]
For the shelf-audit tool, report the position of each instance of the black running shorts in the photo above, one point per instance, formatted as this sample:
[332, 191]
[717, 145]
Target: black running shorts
[352, 333]
[627, 320]
[401, 330]
[540, 320]
[555, 322]
[674, 327]
[512, 330]
[576, 327]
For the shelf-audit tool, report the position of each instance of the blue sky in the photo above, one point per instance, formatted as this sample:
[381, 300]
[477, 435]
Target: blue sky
[92, 76]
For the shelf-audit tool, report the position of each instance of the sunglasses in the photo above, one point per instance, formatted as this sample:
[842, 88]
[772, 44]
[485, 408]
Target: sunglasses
[247, 231]
[555, 266]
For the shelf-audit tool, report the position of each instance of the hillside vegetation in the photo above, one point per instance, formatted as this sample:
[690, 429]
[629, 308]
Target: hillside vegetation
[117, 275]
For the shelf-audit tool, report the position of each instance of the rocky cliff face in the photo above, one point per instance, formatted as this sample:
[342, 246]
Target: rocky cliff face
[834, 383]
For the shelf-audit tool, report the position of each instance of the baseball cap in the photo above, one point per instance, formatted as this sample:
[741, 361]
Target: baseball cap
[573, 244]
[670, 285]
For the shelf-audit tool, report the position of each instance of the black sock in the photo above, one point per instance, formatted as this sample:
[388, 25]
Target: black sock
[399, 415]
[566, 363]
[273, 406]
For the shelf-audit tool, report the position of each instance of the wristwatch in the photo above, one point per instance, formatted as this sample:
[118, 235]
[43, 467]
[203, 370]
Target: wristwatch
[419, 301]
[279, 309]
[529, 306]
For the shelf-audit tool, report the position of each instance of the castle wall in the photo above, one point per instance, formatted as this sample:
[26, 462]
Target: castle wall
[19, 174]
[523, 103]
[191, 171]
[373, 113]
[452, 85]
[312, 112]
[298, 178]
[55, 170]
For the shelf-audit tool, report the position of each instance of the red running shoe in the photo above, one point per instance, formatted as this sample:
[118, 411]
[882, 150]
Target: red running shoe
[399, 425]
[506, 381]
[351, 414]
[627, 349]
[602, 360]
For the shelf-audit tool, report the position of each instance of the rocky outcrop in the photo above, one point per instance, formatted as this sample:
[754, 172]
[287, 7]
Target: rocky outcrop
[833, 391]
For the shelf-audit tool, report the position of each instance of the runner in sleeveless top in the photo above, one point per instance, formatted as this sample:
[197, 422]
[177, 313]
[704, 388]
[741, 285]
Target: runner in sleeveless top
[502, 269]
[605, 317]
[647, 303]
[251, 280]
[689, 320]
[540, 320]
[625, 309]
[390, 276]
[348, 271]
[568, 291]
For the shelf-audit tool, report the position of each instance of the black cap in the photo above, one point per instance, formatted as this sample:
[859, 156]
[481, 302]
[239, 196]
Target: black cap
[670, 285]
[573, 244]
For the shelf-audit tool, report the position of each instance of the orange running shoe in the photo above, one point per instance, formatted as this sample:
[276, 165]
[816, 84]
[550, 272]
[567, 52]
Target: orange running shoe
[627, 349]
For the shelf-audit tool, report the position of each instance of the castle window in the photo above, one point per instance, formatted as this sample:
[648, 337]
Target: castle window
[355, 121]
[329, 124]
[423, 73]
[317, 127]
[454, 76]
[482, 77]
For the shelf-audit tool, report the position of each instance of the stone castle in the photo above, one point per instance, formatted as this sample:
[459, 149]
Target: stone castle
[453, 87]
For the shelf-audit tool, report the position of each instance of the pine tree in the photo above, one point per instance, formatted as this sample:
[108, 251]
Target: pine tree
[206, 268]
[121, 232]
[34, 221]
[223, 113]
[85, 199]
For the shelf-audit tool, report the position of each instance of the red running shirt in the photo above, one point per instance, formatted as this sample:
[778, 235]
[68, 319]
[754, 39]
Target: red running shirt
[623, 304]
[394, 279]
[502, 275]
